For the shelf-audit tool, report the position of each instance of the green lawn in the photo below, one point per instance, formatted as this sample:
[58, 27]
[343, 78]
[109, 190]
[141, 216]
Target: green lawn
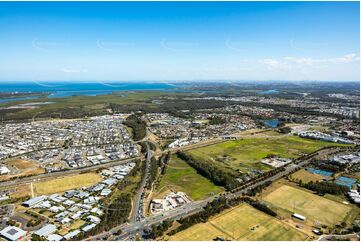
[241, 223]
[313, 207]
[180, 176]
[246, 153]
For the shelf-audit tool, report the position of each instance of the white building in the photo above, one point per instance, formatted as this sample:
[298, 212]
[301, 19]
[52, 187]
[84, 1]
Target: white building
[46, 230]
[299, 216]
[34, 201]
[4, 170]
[54, 237]
[13, 233]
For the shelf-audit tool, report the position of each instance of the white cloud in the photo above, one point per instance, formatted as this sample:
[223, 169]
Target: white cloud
[346, 67]
[274, 63]
[298, 62]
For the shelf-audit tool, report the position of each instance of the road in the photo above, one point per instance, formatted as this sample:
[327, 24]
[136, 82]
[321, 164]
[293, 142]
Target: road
[192, 207]
[138, 202]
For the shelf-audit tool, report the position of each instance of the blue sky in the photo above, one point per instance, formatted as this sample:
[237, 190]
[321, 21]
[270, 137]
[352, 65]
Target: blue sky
[179, 41]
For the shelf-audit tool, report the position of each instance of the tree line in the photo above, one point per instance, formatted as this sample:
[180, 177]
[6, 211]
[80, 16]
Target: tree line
[258, 189]
[216, 175]
[138, 126]
[325, 187]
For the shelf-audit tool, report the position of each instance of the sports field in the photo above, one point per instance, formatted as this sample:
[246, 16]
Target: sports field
[180, 176]
[305, 176]
[313, 207]
[241, 223]
[247, 152]
[66, 183]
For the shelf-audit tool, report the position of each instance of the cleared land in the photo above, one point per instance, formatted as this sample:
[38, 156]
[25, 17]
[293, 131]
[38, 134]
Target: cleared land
[313, 207]
[306, 176]
[180, 176]
[66, 183]
[246, 153]
[24, 168]
[241, 223]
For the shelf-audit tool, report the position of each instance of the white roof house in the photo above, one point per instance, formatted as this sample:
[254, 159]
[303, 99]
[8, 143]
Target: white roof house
[94, 219]
[88, 227]
[72, 234]
[4, 170]
[54, 237]
[46, 230]
[13, 233]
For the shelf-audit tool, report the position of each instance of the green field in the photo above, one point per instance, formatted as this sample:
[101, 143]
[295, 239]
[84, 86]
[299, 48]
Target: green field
[180, 176]
[246, 153]
[313, 207]
[241, 223]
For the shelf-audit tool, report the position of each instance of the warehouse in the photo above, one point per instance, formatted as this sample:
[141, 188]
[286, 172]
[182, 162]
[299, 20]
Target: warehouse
[13, 233]
[34, 201]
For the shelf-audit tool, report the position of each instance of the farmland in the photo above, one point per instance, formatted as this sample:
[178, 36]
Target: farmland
[241, 223]
[315, 208]
[65, 183]
[180, 176]
[247, 152]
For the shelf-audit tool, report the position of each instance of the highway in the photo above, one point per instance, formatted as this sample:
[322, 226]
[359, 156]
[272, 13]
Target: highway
[138, 203]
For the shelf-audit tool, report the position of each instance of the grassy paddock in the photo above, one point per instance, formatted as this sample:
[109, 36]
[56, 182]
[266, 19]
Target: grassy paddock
[66, 183]
[313, 207]
[306, 176]
[180, 176]
[246, 153]
[241, 223]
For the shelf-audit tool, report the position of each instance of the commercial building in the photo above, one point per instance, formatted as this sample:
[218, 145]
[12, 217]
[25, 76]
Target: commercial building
[34, 201]
[13, 233]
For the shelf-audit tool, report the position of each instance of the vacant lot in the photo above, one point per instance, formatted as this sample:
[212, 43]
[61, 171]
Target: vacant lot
[66, 183]
[241, 223]
[180, 176]
[22, 164]
[305, 176]
[246, 153]
[22, 168]
[313, 207]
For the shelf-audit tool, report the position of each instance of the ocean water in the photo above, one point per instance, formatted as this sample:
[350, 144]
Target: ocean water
[272, 91]
[66, 89]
